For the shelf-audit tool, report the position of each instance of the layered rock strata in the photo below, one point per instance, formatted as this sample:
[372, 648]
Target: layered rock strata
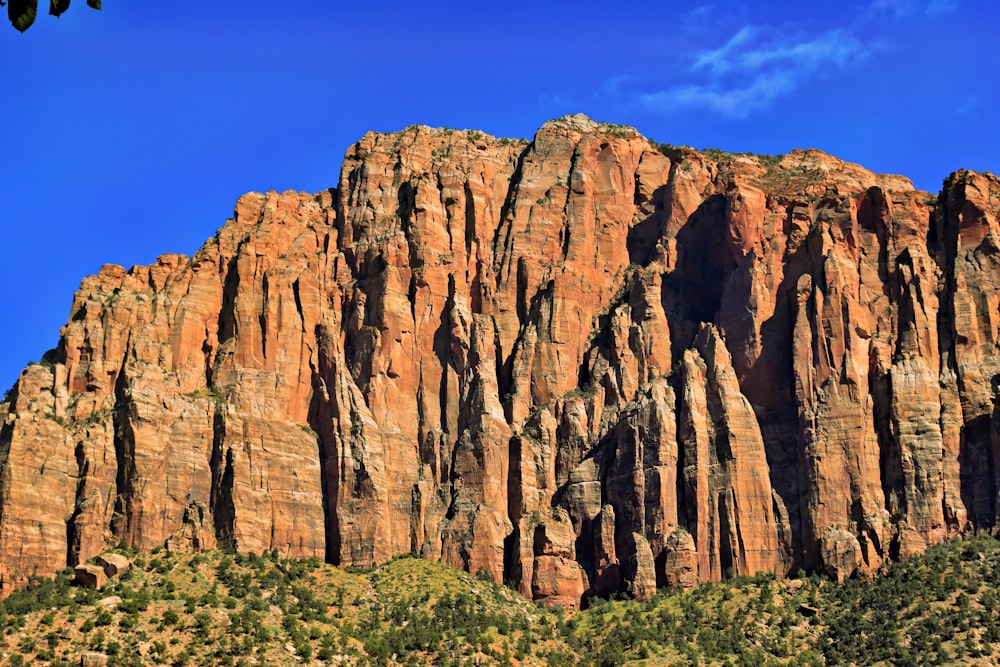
[581, 365]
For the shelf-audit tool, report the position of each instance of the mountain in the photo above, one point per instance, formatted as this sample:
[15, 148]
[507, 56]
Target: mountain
[581, 365]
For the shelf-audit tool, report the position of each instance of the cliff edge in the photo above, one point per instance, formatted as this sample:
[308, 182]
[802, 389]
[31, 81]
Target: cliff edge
[582, 364]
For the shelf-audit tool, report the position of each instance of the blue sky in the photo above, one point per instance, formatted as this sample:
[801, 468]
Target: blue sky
[130, 132]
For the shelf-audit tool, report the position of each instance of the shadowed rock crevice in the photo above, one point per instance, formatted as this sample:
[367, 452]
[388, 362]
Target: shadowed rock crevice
[703, 264]
[322, 422]
[221, 499]
[72, 536]
[227, 312]
[124, 447]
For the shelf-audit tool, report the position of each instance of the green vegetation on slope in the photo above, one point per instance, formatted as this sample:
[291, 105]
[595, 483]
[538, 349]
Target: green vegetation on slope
[225, 609]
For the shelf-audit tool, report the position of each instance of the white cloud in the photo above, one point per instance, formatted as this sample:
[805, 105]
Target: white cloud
[760, 64]
[737, 102]
[755, 67]
[836, 47]
[719, 61]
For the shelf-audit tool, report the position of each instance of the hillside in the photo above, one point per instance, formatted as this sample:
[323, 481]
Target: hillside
[587, 364]
[225, 609]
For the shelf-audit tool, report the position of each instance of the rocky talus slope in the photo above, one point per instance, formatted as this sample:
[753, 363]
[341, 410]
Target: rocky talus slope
[213, 608]
[582, 364]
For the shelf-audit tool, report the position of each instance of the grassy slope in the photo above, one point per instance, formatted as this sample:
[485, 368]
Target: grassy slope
[215, 608]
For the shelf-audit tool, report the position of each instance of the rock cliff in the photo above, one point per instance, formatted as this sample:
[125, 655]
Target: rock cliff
[581, 364]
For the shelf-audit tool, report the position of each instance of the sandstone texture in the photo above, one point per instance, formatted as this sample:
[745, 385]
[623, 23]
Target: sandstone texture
[583, 364]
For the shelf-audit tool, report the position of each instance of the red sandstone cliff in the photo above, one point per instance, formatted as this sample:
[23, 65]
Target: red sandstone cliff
[580, 364]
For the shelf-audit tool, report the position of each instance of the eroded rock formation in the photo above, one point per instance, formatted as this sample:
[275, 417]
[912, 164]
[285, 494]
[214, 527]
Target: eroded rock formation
[584, 364]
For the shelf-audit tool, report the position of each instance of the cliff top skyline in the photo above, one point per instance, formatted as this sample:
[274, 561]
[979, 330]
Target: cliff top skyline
[139, 126]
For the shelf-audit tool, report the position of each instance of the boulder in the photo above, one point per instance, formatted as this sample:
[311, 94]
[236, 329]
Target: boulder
[110, 602]
[93, 659]
[680, 562]
[114, 565]
[558, 582]
[90, 576]
[841, 553]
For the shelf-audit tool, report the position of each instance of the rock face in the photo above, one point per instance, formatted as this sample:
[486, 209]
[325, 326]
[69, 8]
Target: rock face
[584, 364]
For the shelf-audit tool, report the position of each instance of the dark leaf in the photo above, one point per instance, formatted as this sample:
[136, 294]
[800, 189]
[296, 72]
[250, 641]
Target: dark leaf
[57, 7]
[96, 4]
[22, 13]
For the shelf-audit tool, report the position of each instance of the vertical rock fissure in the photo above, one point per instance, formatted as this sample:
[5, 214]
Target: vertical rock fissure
[890, 454]
[322, 414]
[262, 316]
[505, 225]
[230, 289]
[6, 435]
[221, 499]
[515, 511]
[442, 347]
[124, 445]
[470, 217]
[72, 534]
[565, 230]
[977, 477]
[297, 296]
